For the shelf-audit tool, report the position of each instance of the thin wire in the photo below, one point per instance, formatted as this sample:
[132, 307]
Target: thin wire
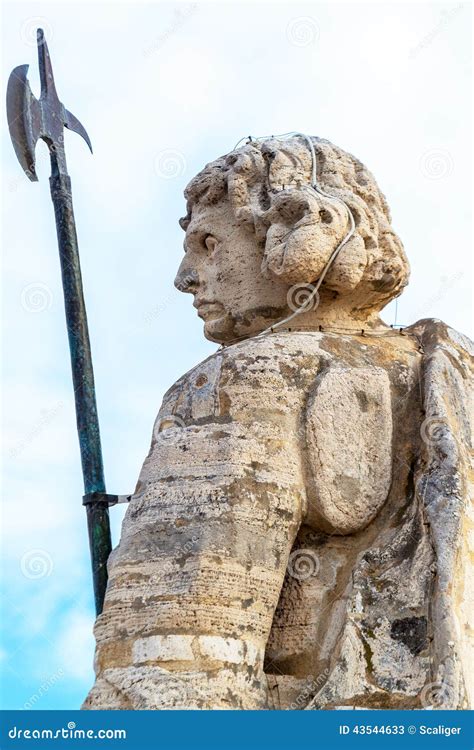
[249, 138]
[358, 332]
[307, 304]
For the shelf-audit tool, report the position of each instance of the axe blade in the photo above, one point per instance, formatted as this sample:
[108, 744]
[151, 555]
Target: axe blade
[72, 123]
[30, 118]
[52, 107]
[24, 119]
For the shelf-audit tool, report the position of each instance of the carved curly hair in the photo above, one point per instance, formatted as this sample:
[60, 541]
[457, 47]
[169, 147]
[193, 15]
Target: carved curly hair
[267, 184]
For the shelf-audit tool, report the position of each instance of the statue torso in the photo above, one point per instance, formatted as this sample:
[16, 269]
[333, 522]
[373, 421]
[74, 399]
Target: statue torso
[242, 448]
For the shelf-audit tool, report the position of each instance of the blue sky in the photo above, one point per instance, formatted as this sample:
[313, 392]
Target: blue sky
[162, 89]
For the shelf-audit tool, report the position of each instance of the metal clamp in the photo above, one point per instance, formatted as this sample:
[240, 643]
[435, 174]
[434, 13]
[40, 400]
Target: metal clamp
[102, 498]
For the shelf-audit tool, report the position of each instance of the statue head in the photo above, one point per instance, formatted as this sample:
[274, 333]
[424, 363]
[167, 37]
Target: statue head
[258, 236]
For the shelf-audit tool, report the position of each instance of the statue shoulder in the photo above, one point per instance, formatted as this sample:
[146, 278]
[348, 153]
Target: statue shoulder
[434, 335]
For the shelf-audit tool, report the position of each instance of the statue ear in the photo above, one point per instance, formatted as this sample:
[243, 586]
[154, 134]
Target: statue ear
[349, 267]
[303, 230]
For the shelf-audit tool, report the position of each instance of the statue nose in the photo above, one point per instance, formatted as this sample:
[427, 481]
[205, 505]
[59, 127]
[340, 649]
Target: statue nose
[187, 280]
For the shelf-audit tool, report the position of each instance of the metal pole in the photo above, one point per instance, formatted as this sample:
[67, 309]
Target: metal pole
[30, 119]
[83, 379]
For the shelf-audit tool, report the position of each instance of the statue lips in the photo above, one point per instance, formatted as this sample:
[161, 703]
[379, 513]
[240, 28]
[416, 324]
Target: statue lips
[208, 310]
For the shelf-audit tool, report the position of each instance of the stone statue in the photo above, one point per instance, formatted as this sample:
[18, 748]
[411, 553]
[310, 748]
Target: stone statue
[298, 538]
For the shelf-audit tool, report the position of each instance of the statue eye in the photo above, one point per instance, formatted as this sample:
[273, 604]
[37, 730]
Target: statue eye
[210, 242]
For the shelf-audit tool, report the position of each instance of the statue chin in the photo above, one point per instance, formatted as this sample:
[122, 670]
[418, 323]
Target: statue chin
[221, 330]
[226, 328]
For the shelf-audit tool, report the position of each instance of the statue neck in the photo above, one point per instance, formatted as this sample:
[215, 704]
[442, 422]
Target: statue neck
[336, 316]
[326, 317]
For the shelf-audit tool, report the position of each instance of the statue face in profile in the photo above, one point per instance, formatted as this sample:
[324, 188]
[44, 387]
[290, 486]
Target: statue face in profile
[222, 269]
[258, 237]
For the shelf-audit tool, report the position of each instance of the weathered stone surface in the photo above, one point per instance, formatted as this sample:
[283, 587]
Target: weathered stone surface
[299, 536]
[351, 469]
